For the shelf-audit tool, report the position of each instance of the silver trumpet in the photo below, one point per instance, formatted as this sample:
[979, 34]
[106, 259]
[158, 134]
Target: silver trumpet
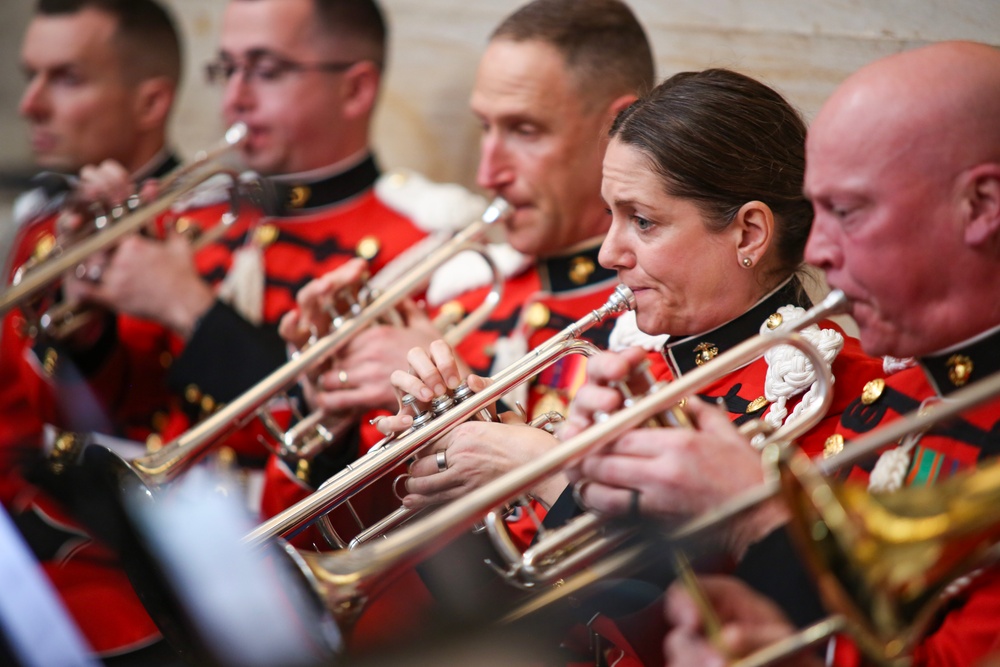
[559, 552]
[159, 468]
[346, 579]
[393, 451]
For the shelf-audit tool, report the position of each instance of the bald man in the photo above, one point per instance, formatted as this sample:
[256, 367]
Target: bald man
[903, 169]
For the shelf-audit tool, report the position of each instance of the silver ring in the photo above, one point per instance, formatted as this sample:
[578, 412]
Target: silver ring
[442, 461]
[342, 376]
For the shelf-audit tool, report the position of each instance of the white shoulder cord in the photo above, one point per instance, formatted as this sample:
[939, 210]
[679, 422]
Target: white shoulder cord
[790, 372]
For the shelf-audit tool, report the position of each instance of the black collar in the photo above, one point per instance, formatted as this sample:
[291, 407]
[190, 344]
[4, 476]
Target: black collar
[573, 271]
[682, 354]
[170, 162]
[291, 196]
[949, 371]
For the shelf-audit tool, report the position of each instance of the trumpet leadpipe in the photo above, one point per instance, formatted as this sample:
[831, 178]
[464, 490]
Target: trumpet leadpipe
[392, 452]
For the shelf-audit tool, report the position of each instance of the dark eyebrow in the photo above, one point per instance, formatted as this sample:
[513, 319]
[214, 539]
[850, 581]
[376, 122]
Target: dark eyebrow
[252, 54]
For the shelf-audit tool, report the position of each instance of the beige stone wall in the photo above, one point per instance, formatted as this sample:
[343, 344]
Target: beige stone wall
[803, 47]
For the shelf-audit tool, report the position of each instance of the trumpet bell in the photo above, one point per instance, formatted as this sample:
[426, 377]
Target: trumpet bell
[885, 561]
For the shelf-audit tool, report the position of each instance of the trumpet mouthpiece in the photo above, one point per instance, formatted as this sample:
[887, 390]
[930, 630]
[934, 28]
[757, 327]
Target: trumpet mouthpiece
[236, 133]
[621, 299]
[497, 209]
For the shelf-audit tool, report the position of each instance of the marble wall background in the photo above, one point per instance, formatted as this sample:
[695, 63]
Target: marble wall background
[803, 47]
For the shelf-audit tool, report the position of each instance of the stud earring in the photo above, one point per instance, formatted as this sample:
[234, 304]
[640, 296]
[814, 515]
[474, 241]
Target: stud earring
[747, 262]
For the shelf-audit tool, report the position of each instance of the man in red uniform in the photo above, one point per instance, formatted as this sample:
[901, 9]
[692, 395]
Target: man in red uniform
[923, 192]
[553, 76]
[101, 80]
[182, 331]
[547, 87]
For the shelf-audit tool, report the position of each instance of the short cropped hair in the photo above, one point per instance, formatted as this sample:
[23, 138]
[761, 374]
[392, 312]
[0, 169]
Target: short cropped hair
[721, 139]
[602, 42]
[362, 20]
[147, 37]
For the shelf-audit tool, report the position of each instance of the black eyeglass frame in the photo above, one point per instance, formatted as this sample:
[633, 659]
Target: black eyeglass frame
[222, 69]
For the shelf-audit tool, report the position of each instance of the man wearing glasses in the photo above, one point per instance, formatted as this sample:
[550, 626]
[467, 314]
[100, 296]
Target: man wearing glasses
[185, 331]
[304, 76]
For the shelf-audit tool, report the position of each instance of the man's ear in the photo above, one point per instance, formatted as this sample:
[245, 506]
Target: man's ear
[753, 230]
[615, 107]
[981, 202]
[360, 88]
[153, 100]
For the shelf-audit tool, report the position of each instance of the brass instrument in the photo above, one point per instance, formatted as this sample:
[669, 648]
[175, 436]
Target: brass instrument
[559, 552]
[36, 275]
[393, 451]
[883, 561]
[162, 466]
[312, 433]
[344, 580]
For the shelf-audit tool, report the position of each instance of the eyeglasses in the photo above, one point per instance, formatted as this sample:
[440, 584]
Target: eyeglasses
[266, 68]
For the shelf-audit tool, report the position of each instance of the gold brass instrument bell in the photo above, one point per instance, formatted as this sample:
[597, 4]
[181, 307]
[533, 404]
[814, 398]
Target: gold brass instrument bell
[882, 561]
[57, 318]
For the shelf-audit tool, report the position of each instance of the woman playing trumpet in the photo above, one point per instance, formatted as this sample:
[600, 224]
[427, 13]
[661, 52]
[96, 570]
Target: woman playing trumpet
[703, 181]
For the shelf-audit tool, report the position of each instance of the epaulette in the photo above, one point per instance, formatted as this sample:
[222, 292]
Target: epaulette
[468, 271]
[430, 206]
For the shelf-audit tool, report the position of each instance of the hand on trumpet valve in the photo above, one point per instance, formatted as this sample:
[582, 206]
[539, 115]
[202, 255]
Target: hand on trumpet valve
[679, 472]
[434, 371]
[473, 454]
[747, 620]
[319, 302]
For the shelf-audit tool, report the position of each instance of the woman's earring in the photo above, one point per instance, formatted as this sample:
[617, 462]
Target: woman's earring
[747, 262]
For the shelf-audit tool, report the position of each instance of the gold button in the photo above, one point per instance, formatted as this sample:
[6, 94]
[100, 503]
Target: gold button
[192, 394]
[302, 470]
[705, 352]
[183, 224]
[51, 361]
[43, 247]
[959, 369]
[207, 403]
[367, 247]
[756, 404]
[774, 321]
[298, 196]
[65, 442]
[265, 235]
[872, 391]
[580, 270]
[166, 359]
[538, 315]
[833, 445]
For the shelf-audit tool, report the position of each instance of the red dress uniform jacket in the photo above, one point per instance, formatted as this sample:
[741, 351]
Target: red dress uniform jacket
[967, 629]
[313, 227]
[637, 639]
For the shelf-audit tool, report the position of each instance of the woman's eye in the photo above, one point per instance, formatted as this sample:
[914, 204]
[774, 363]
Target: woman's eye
[641, 223]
